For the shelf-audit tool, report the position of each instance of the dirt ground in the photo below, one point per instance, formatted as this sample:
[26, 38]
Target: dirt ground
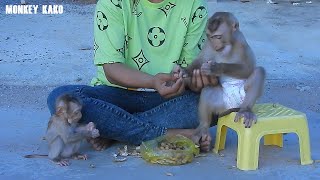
[40, 52]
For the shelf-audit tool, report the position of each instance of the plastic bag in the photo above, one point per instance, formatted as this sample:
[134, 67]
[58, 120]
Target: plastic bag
[173, 150]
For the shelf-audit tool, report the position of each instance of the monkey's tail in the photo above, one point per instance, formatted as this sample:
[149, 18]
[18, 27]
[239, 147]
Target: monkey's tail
[36, 156]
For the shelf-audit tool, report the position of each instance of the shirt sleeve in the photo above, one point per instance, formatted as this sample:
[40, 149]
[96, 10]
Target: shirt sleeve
[195, 36]
[108, 33]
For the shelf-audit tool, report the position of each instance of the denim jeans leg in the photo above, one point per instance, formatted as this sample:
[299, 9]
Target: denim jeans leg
[111, 109]
[178, 113]
[115, 123]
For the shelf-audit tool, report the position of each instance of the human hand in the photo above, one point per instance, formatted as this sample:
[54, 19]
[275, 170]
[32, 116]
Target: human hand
[199, 80]
[160, 84]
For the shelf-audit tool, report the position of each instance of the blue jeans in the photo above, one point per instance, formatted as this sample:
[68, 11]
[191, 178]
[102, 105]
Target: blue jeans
[131, 116]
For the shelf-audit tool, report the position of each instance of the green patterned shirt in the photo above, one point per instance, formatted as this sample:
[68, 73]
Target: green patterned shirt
[149, 37]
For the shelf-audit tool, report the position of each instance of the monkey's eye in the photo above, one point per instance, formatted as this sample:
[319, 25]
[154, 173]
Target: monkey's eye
[76, 113]
[218, 36]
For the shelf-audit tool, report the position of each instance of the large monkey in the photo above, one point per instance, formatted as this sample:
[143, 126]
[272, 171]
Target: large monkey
[227, 56]
[64, 134]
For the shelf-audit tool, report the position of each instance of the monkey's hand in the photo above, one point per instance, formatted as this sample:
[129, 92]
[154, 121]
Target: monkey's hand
[90, 126]
[248, 116]
[93, 132]
[211, 68]
[179, 72]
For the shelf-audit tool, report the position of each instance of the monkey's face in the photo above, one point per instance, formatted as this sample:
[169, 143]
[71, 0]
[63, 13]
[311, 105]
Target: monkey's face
[220, 38]
[74, 115]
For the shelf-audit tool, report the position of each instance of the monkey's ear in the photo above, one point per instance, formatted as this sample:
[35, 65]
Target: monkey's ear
[235, 26]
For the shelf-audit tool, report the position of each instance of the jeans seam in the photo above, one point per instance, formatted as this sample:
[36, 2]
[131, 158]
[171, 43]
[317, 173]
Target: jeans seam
[160, 130]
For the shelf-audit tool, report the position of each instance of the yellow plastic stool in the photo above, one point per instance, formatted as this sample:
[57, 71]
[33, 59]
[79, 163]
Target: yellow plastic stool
[273, 121]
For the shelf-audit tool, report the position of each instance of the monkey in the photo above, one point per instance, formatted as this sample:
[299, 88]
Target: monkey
[64, 134]
[226, 55]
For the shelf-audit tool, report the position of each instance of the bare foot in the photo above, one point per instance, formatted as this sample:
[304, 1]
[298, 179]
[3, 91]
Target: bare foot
[205, 142]
[100, 143]
[80, 157]
[202, 138]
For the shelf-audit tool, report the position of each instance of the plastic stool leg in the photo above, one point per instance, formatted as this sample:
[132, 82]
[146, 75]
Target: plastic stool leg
[273, 139]
[248, 151]
[220, 138]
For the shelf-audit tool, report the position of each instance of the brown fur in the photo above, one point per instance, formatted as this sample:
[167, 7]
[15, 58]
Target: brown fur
[64, 134]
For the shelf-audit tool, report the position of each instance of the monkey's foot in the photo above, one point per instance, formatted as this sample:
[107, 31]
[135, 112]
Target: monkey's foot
[249, 118]
[202, 138]
[100, 143]
[80, 157]
[62, 162]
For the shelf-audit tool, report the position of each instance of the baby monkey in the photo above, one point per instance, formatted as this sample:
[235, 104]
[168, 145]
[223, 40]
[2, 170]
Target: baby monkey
[64, 134]
[227, 56]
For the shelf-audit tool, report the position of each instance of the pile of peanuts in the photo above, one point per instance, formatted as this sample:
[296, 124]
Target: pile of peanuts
[173, 158]
[170, 146]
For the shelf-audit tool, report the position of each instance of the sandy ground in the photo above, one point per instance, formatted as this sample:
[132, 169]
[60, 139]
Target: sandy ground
[40, 52]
